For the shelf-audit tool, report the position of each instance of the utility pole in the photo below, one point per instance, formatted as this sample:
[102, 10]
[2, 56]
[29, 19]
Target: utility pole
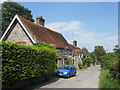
[73, 35]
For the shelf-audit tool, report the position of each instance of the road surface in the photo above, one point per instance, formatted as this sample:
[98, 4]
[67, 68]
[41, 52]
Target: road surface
[85, 78]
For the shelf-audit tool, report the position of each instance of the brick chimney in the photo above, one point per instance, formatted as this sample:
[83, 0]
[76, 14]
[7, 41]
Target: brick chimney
[40, 21]
[75, 43]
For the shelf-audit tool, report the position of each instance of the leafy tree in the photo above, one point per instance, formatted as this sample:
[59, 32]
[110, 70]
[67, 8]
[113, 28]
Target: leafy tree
[93, 57]
[116, 68]
[116, 49]
[87, 61]
[85, 49]
[10, 9]
[99, 51]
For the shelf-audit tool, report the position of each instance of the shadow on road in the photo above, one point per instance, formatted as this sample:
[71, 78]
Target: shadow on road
[47, 82]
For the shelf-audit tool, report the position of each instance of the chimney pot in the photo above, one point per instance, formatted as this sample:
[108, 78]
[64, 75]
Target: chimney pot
[40, 21]
[75, 43]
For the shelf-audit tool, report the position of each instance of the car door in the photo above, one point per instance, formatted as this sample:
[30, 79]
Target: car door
[72, 71]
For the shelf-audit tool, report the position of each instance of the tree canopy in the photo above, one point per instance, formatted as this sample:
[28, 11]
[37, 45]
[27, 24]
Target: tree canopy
[85, 49]
[99, 51]
[10, 9]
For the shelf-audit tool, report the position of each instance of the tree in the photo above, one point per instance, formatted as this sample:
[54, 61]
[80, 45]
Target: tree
[93, 57]
[87, 61]
[10, 9]
[116, 48]
[84, 50]
[99, 51]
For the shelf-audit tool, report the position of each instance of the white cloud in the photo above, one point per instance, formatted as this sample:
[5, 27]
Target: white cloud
[113, 37]
[90, 39]
[85, 38]
[65, 26]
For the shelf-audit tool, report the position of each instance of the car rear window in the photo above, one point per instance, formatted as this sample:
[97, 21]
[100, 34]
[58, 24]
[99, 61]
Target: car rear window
[65, 67]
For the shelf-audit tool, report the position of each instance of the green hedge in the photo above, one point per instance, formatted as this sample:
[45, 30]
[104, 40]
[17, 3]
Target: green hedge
[107, 81]
[107, 61]
[21, 62]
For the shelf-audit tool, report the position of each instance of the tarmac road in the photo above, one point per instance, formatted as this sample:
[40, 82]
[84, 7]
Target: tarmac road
[85, 78]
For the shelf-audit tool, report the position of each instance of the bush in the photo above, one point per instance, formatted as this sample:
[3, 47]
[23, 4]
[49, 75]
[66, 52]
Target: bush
[107, 61]
[87, 61]
[107, 81]
[84, 67]
[21, 62]
[68, 62]
[80, 67]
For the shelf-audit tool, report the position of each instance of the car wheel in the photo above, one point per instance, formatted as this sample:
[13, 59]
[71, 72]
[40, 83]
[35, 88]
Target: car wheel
[69, 75]
[75, 73]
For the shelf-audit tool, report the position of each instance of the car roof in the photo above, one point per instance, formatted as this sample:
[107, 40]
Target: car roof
[69, 65]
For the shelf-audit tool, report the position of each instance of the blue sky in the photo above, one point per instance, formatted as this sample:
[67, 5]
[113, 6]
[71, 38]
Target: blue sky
[90, 23]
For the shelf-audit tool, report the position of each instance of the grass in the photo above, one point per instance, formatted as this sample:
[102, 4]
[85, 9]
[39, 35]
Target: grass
[106, 81]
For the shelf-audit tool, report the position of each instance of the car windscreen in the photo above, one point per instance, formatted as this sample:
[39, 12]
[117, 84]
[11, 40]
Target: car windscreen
[65, 67]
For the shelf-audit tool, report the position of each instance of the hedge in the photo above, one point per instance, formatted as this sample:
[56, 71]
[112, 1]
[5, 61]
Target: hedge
[22, 62]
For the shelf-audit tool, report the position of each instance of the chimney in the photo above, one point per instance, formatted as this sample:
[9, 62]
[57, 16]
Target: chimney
[40, 21]
[75, 43]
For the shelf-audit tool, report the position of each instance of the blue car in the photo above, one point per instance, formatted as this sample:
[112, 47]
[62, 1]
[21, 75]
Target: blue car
[66, 71]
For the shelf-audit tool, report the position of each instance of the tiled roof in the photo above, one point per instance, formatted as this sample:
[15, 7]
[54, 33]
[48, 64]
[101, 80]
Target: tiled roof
[44, 34]
[59, 55]
[76, 50]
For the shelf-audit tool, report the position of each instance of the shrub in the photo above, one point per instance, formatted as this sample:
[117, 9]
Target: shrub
[68, 62]
[21, 62]
[87, 61]
[107, 81]
[107, 61]
[80, 67]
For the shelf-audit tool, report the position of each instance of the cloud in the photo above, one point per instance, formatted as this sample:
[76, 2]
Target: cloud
[113, 37]
[65, 26]
[90, 39]
[85, 38]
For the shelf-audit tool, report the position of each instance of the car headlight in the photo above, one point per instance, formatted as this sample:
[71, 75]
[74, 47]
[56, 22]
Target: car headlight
[65, 72]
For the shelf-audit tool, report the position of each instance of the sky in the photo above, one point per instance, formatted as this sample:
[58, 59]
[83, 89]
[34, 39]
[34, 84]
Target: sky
[90, 23]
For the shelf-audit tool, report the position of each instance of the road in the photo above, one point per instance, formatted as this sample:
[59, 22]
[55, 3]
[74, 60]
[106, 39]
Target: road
[85, 78]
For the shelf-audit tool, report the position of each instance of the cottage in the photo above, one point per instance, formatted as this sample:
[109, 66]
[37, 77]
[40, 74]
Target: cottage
[26, 32]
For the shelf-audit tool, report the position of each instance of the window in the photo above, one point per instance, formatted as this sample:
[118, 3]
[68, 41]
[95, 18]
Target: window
[70, 52]
[22, 42]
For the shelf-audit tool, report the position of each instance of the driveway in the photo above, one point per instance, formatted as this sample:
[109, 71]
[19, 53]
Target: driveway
[85, 78]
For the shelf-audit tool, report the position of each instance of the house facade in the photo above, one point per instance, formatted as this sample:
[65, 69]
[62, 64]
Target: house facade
[26, 32]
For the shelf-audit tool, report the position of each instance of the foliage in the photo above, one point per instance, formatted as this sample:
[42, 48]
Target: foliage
[110, 78]
[21, 62]
[116, 48]
[99, 51]
[84, 50]
[93, 57]
[106, 81]
[114, 71]
[87, 61]
[41, 44]
[68, 62]
[83, 66]
[107, 61]
[80, 67]
[10, 9]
